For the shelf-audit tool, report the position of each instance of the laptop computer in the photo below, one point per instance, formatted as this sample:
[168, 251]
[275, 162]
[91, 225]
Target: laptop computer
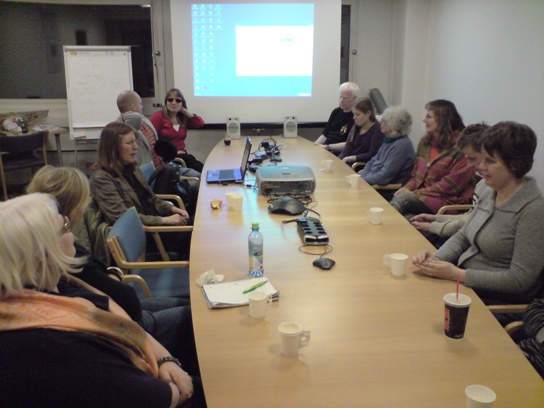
[227, 176]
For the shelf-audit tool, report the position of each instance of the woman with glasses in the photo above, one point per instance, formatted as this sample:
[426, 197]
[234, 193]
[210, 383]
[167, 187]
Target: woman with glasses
[167, 319]
[64, 344]
[172, 124]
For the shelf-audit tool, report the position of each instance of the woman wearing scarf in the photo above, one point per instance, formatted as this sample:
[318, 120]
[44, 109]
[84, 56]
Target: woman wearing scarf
[64, 343]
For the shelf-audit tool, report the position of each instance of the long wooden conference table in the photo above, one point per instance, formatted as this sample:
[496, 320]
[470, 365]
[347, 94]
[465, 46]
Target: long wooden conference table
[376, 340]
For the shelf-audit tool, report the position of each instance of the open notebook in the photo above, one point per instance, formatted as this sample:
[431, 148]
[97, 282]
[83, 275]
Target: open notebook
[231, 294]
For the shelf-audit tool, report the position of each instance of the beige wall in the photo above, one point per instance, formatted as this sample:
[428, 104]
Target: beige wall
[484, 55]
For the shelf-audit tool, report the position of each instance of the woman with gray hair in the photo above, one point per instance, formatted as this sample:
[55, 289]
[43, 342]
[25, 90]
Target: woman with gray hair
[395, 158]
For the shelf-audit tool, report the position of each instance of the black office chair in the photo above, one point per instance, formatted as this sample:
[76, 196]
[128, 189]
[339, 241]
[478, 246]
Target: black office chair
[18, 152]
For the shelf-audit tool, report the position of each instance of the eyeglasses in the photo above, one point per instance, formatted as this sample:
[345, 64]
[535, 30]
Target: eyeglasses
[178, 100]
[67, 226]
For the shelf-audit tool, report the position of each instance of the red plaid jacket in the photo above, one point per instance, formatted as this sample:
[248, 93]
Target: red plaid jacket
[444, 181]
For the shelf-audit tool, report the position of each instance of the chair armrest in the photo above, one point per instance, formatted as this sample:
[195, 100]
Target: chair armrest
[387, 186]
[189, 178]
[457, 207]
[514, 327]
[140, 281]
[358, 166]
[179, 160]
[498, 309]
[168, 228]
[172, 197]
[155, 265]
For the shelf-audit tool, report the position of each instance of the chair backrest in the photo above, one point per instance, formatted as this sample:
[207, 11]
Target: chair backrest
[22, 144]
[130, 234]
[147, 169]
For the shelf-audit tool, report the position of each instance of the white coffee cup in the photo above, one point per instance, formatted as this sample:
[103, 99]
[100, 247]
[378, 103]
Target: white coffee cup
[327, 165]
[257, 303]
[293, 338]
[376, 215]
[397, 263]
[234, 201]
[353, 180]
[480, 396]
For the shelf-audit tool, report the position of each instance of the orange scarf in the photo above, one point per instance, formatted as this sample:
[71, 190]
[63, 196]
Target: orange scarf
[29, 309]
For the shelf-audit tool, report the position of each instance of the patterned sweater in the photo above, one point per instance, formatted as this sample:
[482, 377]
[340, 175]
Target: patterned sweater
[445, 180]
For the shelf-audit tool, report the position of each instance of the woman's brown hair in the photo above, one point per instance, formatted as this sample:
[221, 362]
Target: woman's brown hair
[109, 157]
[363, 105]
[449, 123]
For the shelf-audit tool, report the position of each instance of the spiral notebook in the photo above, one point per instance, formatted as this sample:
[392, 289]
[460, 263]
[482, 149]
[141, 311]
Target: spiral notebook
[231, 294]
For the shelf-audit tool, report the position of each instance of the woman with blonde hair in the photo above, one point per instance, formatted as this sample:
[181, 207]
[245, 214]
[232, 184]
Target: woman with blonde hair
[167, 319]
[64, 344]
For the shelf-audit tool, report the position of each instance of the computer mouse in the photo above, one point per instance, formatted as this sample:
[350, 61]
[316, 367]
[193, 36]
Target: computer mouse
[324, 263]
[287, 205]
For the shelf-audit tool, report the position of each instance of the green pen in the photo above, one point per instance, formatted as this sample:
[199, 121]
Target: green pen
[252, 288]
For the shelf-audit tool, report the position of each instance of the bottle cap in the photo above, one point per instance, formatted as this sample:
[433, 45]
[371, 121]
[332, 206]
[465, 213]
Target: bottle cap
[254, 225]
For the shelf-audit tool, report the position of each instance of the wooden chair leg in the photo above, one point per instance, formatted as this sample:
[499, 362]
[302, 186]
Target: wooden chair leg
[3, 177]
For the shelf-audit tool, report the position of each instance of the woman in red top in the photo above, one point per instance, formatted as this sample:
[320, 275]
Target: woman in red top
[441, 175]
[172, 123]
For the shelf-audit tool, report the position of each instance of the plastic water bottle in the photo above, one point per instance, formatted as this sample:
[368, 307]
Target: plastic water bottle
[255, 243]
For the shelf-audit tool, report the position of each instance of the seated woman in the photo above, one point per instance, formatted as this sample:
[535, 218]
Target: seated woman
[498, 252]
[172, 123]
[440, 175]
[168, 320]
[395, 158]
[118, 184]
[365, 138]
[340, 121]
[438, 228]
[64, 344]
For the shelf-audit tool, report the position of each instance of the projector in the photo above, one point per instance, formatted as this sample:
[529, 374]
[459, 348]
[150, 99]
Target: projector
[285, 180]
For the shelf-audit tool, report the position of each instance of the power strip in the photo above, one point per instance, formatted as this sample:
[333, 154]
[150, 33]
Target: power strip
[311, 231]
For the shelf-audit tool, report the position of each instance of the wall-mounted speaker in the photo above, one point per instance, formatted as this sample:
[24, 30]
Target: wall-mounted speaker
[290, 126]
[233, 128]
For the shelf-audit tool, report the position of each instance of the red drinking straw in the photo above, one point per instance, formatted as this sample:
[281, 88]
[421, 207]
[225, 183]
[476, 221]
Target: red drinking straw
[457, 288]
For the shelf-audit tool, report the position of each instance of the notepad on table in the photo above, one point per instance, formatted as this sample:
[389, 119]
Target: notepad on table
[231, 294]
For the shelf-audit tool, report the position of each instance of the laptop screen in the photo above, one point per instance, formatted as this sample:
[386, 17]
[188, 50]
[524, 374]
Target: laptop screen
[245, 157]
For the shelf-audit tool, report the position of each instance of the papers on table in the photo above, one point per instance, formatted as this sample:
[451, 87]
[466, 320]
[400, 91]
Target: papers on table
[231, 294]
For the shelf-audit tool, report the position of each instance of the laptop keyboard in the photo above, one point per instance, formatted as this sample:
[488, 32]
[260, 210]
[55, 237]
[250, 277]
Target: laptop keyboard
[226, 174]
